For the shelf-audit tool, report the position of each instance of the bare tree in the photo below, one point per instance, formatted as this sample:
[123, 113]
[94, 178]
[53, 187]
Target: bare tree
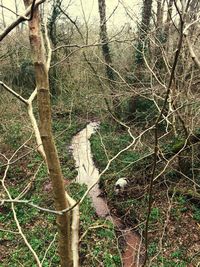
[42, 83]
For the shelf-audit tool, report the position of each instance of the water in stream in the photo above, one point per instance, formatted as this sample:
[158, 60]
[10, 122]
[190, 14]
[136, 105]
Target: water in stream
[88, 174]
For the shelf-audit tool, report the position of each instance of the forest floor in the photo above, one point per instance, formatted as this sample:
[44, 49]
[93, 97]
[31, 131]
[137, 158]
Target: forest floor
[27, 176]
[174, 229]
[174, 233]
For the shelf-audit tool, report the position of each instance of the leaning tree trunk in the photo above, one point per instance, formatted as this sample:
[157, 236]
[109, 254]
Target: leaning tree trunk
[42, 84]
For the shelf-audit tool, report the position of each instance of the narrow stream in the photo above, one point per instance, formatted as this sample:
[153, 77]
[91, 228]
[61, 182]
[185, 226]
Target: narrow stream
[87, 174]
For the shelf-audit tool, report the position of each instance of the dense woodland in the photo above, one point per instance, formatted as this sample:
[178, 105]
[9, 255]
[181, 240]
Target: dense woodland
[140, 82]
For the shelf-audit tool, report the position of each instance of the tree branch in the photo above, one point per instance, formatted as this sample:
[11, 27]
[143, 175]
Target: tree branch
[31, 116]
[14, 93]
[24, 17]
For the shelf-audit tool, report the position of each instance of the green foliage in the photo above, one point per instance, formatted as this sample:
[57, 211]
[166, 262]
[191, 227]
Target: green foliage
[155, 215]
[174, 145]
[113, 143]
[196, 214]
[105, 233]
[139, 53]
[39, 231]
[86, 210]
[176, 259]
[179, 208]
[177, 254]
[104, 248]
[110, 260]
[145, 111]
[142, 111]
[172, 263]
[144, 104]
[152, 249]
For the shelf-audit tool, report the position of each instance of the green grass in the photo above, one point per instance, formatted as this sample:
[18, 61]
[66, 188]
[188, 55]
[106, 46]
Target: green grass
[196, 214]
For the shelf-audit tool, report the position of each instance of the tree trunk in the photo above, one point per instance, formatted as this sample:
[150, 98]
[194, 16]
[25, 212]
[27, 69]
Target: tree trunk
[142, 46]
[146, 17]
[42, 84]
[167, 27]
[160, 38]
[52, 27]
[159, 15]
[104, 40]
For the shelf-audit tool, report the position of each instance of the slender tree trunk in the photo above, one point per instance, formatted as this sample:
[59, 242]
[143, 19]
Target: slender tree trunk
[146, 17]
[108, 59]
[160, 39]
[42, 83]
[52, 27]
[142, 46]
[167, 26]
[104, 40]
[159, 15]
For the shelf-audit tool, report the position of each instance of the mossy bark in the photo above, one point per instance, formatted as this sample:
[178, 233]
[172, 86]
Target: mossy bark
[104, 40]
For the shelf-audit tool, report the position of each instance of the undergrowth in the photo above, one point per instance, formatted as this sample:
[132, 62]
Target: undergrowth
[39, 227]
[172, 242]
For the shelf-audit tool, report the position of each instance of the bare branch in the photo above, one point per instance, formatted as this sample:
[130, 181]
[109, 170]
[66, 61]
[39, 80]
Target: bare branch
[50, 245]
[14, 93]
[24, 17]
[32, 9]
[28, 202]
[192, 53]
[75, 231]
[31, 116]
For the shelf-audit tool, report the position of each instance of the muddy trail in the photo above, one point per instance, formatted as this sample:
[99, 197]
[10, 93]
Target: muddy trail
[87, 174]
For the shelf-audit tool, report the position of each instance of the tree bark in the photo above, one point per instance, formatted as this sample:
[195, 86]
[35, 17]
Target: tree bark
[159, 15]
[146, 17]
[52, 27]
[142, 45]
[167, 27]
[42, 84]
[104, 40]
[159, 37]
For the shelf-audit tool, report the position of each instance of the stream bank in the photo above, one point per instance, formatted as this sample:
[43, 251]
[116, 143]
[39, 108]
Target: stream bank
[88, 174]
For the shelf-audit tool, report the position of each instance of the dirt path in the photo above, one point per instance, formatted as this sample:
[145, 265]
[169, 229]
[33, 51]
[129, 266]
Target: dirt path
[87, 174]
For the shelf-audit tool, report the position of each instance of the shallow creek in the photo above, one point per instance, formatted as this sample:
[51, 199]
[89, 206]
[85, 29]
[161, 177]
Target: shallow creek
[88, 174]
